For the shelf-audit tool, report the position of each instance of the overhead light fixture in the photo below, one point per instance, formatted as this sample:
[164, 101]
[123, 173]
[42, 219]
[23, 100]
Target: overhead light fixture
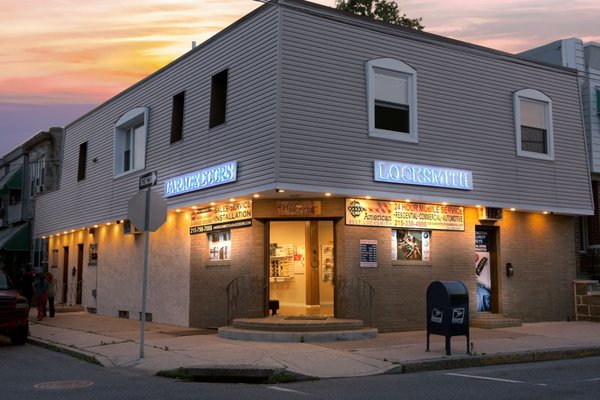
[327, 194]
[212, 203]
[478, 205]
[279, 190]
[178, 210]
[194, 207]
[545, 212]
[368, 197]
[513, 209]
[256, 195]
[444, 203]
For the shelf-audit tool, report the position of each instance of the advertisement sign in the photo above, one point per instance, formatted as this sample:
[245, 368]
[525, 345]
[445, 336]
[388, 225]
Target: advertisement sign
[404, 215]
[368, 253]
[410, 245]
[226, 216]
[483, 295]
[298, 208]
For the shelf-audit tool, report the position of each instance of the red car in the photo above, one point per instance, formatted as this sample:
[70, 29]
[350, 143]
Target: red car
[14, 312]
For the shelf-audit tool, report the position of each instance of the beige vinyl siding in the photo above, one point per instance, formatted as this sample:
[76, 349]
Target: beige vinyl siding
[249, 49]
[465, 117]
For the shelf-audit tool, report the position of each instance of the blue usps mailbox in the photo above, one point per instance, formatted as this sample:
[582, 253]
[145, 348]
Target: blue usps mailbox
[448, 311]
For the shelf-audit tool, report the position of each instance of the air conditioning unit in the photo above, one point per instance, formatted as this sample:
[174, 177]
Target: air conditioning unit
[490, 214]
[129, 229]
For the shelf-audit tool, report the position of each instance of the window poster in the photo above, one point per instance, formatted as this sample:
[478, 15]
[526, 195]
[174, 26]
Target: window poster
[327, 262]
[219, 246]
[483, 272]
[411, 245]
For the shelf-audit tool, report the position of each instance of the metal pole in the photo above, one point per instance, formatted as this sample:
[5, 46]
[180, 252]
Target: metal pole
[145, 279]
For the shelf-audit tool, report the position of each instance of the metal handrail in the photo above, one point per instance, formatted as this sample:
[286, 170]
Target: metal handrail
[357, 288]
[251, 286]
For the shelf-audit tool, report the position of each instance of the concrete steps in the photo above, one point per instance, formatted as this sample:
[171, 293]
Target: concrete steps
[494, 321]
[296, 329]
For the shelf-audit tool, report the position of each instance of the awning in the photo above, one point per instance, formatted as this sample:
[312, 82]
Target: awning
[12, 180]
[16, 238]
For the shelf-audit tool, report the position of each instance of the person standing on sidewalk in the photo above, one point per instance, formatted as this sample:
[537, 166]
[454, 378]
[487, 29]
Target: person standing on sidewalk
[51, 294]
[41, 293]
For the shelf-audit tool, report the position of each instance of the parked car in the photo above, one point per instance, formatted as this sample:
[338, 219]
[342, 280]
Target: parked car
[14, 312]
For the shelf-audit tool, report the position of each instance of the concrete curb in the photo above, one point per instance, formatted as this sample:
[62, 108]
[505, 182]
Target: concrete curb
[494, 359]
[71, 351]
[235, 374]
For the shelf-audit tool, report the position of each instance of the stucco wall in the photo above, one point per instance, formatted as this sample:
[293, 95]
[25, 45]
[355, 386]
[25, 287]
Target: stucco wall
[117, 277]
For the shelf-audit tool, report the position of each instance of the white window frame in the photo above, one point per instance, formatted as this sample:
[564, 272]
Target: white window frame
[535, 95]
[129, 123]
[400, 67]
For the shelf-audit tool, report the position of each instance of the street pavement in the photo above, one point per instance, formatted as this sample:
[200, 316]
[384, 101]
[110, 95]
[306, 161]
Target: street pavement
[115, 342]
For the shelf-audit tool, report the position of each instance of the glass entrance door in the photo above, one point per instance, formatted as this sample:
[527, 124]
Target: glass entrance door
[300, 266]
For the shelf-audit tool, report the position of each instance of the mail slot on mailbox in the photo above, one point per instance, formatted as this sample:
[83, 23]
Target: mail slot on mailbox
[447, 311]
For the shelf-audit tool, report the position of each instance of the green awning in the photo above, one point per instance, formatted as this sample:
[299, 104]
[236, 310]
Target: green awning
[16, 238]
[12, 180]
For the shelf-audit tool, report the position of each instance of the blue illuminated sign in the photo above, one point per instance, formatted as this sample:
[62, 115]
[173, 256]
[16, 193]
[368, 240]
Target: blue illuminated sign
[413, 174]
[205, 178]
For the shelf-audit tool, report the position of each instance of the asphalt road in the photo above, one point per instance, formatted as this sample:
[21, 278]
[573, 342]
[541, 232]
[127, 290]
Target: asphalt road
[29, 372]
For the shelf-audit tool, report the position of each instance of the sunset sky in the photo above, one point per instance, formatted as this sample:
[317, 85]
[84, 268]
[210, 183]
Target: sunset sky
[60, 58]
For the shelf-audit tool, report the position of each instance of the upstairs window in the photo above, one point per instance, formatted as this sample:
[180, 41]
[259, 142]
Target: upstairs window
[130, 141]
[177, 117]
[218, 99]
[82, 161]
[392, 99]
[533, 124]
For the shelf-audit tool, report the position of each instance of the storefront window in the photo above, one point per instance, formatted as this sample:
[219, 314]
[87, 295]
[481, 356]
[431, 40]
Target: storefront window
[410, 245]
[219, 246]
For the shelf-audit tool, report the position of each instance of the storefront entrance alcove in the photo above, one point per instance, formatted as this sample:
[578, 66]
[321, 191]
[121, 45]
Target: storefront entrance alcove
[300, 266]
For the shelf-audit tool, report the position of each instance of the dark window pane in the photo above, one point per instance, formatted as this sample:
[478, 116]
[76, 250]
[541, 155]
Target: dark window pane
[177, 117]
[126, 160]
[534, 140]
[392, 117]
[218, 99]
[82, 161]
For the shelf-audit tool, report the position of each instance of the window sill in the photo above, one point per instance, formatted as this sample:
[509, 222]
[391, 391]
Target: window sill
[122, 174]
[391, 135]
[537, 156]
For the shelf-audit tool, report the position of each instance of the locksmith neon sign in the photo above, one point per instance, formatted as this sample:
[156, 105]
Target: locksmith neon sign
[413, 174]
[205, 178]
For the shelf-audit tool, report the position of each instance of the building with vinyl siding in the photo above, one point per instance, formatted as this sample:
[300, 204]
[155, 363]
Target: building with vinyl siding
[311, 156]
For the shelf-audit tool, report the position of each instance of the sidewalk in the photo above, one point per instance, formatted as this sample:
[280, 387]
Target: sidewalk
[114, 342]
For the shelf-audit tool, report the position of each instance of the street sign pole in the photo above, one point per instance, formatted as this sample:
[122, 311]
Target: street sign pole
[147, 211]
[145, 279]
